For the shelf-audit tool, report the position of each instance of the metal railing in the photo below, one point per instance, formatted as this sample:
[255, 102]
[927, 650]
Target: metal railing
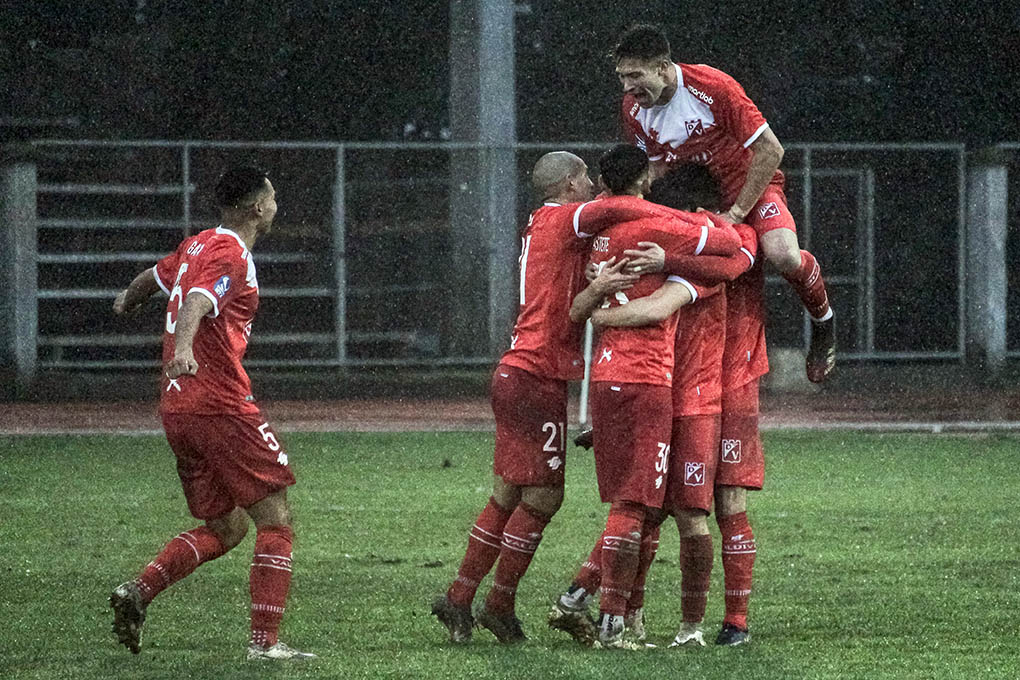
[359, 262]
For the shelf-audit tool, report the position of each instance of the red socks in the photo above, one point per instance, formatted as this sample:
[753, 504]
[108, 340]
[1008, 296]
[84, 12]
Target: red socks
[807, 281]
[483, 549]
[179, 557]
[649, 547]
[521, 536]
[621, 546]
[269, 582]
[696, 572]
[738, 553]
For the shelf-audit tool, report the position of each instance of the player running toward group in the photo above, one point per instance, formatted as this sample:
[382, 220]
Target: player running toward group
[529, 401]
[231, 465]
[692, 113]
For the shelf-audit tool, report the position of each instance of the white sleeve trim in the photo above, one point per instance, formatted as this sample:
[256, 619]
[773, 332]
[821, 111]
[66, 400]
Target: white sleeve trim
[702, 241]
[756, 135]
[155, 275]
[657, 157]
[215, 303]
[747, 252]
[686, 284]
[577, 222]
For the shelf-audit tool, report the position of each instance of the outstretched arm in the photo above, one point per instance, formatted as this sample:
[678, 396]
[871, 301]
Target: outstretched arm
[138, 291]
[647, 310]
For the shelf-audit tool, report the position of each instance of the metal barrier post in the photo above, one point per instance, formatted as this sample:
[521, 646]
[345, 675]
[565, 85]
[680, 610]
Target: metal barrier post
[18, 254]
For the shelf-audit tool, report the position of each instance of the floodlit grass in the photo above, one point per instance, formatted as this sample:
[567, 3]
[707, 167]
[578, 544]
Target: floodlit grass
[880, 556]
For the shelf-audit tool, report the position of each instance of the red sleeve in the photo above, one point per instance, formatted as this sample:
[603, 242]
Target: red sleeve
[220, 274]
[166, 271]
[748, 236]
[740, 116]
[709, 269]
[595, 216]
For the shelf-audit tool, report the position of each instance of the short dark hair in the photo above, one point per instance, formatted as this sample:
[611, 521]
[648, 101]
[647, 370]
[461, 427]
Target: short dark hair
[686, 187]
[621, 166]
[642, 41]
[238, 185]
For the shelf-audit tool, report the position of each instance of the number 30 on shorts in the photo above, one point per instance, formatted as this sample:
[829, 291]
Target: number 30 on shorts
[662, 458]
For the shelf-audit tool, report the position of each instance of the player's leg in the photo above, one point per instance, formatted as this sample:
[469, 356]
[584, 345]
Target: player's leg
[570, 613]
[621, 553]
[521, 537]
[696, 556]
[634, 619]
[207, 499]
[454, 608]
[778, 240]
[741, 467]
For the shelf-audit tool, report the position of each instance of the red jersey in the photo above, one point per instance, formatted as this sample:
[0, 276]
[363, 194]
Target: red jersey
[745, 357]
[642, 354]
[544, 341]
[709, 121]
[217, 264]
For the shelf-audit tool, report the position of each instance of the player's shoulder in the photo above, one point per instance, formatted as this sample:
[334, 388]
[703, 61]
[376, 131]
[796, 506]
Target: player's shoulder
[221, 242]
[706, 82]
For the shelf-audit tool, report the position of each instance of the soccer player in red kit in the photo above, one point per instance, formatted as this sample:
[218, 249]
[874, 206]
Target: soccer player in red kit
[529, 401]
[231, 464]
[631, 397]
[692, 113]
[696, 401]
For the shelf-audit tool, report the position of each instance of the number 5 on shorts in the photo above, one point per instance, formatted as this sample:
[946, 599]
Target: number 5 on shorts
[269, 437]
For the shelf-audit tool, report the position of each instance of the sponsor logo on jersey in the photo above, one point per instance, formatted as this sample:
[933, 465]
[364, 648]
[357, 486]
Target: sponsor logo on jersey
[769, 210]
[694, 474]
[222, 286]
[555, 463]
[634, 109]
[702, 158]
[601, 244]
[731, 450]
[701, 95]
[694, 127]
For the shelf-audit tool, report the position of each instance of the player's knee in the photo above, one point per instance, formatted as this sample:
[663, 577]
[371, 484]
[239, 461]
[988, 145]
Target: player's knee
[730, 500]
[784, 256]
[691, 522]
[546, 499]
[231, 529]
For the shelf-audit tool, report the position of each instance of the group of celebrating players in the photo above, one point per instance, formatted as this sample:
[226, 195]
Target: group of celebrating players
[665, 263]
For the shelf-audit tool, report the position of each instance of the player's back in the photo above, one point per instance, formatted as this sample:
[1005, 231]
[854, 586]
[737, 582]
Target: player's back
[544, 341]
[642, 354]
[216, 264]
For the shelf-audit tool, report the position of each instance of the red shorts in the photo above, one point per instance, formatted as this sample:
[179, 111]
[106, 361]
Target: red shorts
[226, 461]
[770, 212]
[531, 427]
[741, 459]
[693, 459]
[632, 424]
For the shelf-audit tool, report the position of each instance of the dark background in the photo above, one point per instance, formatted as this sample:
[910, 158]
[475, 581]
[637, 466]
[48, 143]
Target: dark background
[340, 70]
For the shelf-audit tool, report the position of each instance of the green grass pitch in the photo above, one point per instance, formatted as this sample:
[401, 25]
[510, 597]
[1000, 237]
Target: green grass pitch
[879, 556]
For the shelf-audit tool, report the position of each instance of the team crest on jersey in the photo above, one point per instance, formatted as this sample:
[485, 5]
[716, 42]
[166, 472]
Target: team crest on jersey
[730, 450]
[694, 127]
[694, 474]
[222, 286]
[769, 210]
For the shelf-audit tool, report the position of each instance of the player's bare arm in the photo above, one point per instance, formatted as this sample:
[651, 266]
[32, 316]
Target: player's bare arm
[644, 311]
[768, 154]
[611, 279]
[195, 306]
[138, 291]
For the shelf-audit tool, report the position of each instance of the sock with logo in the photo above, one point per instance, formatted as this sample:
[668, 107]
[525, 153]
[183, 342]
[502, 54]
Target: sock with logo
[269, 582]
[590, 575]
[738, 553]
[696, 574]
[179, 557]
[810, 286]
[482, 550]
[521, 536]
[621, 550]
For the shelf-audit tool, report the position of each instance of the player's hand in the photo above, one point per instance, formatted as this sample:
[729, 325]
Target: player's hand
[591, 271]
[611, 278]
[651, 258]
[183, 363]
[120, 306]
